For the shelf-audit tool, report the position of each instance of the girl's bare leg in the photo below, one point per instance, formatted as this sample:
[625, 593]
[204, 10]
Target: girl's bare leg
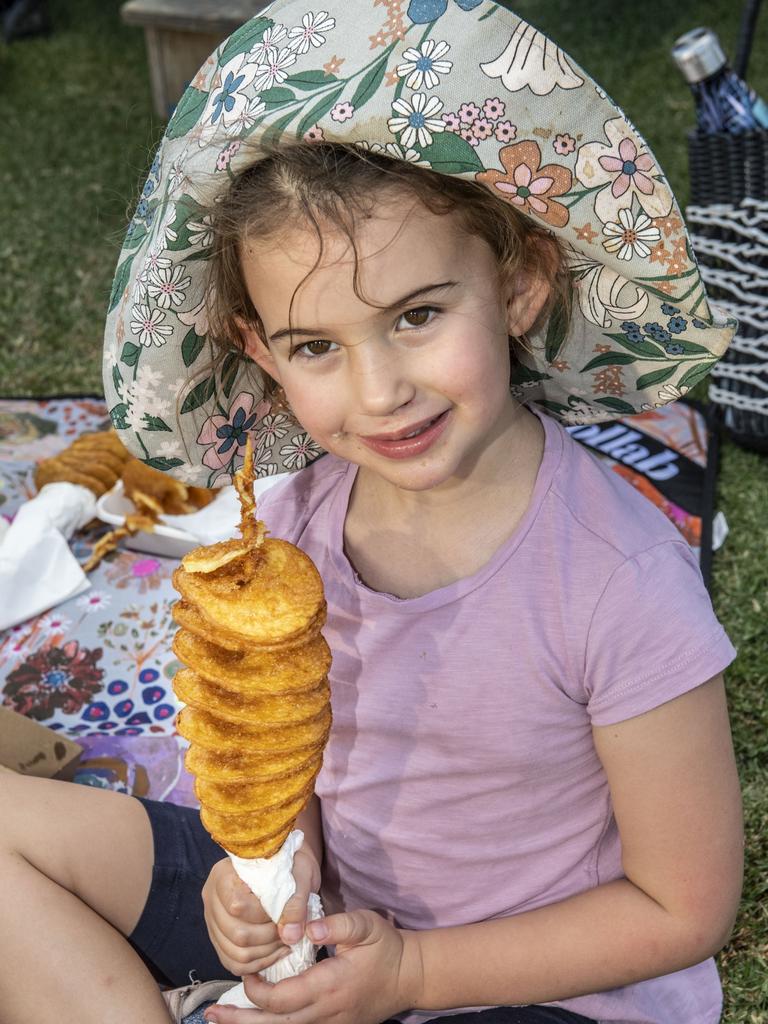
[75, 871]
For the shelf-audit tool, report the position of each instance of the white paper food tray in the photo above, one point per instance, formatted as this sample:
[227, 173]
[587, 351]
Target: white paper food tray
[216, 521]
[114, 506]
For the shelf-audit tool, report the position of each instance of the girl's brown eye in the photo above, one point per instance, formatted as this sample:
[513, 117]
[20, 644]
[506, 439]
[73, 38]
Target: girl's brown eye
[417, 317]
[316, 348]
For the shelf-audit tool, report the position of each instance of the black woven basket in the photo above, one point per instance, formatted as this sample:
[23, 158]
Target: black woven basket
[729, 171]
[727, 168]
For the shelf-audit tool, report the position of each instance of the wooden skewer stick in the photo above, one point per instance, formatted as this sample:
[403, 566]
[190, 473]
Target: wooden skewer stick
[249, 527]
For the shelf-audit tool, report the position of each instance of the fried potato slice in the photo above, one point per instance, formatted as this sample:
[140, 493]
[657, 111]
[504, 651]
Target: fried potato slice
[105, 457]
[278, 602]
[147, 504]
[215, 733]
[214, 556]
[263, 711]
[103, 440]
[54, 471]
[93, 466]
[199, 497]
[93, 460]
[240, 797]
[170, 493]
[190, 617]
[257, 846]
[246, 765]
[251, 672]
[133, 524]
[249, 826]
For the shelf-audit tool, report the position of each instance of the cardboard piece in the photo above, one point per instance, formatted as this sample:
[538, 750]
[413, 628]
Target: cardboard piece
[29, 748]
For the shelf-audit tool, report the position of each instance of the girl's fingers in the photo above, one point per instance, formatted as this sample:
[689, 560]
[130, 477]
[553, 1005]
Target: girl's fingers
[292, 996]
[225, 891]
[253, 966]
[235, 1015]
[305, 873]
[243, 905]
[249, 965]
[293, 919]
[294, 916]
[298, 1006]
[245, 959]
[247, 936]
[232, 1015]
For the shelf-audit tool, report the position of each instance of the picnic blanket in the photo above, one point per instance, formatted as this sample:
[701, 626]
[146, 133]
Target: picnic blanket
[99, 666]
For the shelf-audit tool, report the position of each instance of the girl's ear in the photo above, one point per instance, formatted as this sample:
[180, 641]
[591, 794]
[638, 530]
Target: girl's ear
[257, 349]
[526, 296]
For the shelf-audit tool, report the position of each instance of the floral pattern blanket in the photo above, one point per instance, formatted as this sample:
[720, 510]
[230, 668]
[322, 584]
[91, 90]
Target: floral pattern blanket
[99, 666]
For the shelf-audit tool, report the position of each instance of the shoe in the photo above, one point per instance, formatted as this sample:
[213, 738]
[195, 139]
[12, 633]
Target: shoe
[185, 1002]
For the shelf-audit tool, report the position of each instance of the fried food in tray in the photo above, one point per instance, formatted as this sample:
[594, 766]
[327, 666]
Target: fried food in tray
[106, 441]
[257, 703]
[172, 496]
[97, 461]
[93, 460]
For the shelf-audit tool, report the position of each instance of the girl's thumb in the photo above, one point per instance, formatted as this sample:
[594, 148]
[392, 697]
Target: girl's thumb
[294, 916]
[350, 929]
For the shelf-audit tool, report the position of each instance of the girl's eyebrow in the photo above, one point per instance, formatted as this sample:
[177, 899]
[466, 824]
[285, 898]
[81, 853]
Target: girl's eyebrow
[287, 332]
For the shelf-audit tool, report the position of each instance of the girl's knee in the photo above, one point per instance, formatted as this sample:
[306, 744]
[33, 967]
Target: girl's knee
[20, 796]
[95, 843]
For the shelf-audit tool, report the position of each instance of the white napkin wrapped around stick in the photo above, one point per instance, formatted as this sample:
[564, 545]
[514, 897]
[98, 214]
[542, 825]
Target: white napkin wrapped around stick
[271, 880]
[37, 568]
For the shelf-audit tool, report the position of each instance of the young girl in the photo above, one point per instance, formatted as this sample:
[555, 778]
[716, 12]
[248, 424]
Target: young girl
[528, 809]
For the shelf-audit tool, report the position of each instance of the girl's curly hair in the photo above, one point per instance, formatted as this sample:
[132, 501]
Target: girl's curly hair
[323, 183]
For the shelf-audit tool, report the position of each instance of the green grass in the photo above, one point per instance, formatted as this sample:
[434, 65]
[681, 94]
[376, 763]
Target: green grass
[78, 135]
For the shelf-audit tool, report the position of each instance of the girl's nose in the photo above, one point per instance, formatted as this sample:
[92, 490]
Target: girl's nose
[380, 381]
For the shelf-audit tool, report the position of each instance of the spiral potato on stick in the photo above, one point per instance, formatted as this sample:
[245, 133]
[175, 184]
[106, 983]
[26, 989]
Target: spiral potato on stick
[255, 685]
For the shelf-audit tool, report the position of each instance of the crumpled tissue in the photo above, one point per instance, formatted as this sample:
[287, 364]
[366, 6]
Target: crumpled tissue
[271, 879]
[37, 568]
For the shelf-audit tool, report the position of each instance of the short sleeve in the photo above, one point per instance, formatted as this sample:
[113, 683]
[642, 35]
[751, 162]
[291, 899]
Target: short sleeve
[653, 635]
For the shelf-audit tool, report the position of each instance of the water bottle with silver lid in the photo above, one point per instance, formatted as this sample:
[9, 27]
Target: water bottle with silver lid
[724, 103]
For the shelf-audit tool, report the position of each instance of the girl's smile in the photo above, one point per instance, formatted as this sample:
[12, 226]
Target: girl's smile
[395, 357]
[412, 441]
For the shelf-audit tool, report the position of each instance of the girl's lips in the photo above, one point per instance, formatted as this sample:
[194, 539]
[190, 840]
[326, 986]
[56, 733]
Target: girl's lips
[407, 447]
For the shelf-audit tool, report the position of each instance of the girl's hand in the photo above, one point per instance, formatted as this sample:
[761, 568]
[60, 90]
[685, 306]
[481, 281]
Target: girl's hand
[376, 973]
[243, 935]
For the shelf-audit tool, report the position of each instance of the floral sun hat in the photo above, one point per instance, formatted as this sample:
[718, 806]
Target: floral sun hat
[464, 87]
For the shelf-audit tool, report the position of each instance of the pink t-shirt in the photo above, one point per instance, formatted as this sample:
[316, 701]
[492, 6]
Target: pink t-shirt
[460, 782]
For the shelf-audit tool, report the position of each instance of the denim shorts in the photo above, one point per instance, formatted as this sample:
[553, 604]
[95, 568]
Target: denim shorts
[171, 937]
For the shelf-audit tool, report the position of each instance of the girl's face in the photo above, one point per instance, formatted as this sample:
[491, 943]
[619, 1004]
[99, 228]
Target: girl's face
[410, 381]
